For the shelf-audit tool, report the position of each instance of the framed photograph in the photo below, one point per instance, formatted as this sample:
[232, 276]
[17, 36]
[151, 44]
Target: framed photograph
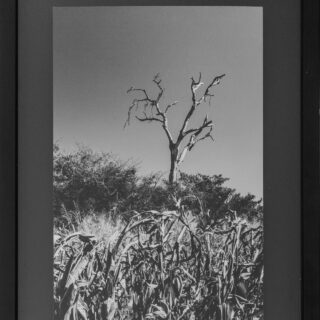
[160, 160]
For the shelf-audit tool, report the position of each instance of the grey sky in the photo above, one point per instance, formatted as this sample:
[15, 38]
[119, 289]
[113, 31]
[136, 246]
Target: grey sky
[99, 52]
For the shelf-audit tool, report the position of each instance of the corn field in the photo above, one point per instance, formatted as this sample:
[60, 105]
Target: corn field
[172, 265]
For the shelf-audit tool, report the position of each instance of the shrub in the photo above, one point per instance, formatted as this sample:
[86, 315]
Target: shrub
[90, 180]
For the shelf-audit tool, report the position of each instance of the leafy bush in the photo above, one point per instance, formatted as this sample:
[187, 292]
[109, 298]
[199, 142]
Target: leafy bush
[88, 181]
[216, 198]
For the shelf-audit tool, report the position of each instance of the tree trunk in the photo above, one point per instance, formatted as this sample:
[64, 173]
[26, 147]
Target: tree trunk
[173, 165]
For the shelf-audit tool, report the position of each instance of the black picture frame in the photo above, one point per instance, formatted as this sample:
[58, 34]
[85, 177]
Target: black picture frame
[26, 22]
[8, 157]
[310, 208]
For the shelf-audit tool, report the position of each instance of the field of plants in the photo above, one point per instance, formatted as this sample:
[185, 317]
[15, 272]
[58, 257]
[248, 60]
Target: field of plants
[136, 248]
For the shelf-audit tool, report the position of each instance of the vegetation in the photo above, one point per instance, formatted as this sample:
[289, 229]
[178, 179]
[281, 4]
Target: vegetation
[131, 247]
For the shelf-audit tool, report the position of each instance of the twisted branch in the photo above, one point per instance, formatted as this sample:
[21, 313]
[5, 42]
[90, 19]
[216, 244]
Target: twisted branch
[152, 112]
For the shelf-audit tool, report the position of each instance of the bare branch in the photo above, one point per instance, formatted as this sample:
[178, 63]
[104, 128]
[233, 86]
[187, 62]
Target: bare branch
[129, 114]
[149, 105]
[195, 84]
[136, 103]
[194, 140]
[215, 81]
[166, 130]
[146, 97]
[170, 106]
[146, 118]
[157, 81]
[207, 135]
[205, 124]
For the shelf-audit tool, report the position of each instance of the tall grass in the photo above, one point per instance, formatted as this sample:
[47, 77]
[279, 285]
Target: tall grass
[171, 265]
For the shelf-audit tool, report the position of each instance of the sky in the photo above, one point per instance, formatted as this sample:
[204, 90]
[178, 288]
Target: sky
[100, 52]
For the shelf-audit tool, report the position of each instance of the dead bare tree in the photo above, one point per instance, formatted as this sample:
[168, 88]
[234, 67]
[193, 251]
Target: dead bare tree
[148, 109]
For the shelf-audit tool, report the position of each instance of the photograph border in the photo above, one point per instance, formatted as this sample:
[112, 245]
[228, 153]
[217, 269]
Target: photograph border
[8, 159]
[11, 248]
[310, 160]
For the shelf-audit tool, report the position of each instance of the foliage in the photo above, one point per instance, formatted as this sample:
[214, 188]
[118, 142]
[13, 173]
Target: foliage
[86, 181]
[90, 181]
[162, 265]
[140, 248]
[216, 198]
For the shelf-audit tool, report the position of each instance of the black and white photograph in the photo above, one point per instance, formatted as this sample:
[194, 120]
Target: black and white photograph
[158, 163]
